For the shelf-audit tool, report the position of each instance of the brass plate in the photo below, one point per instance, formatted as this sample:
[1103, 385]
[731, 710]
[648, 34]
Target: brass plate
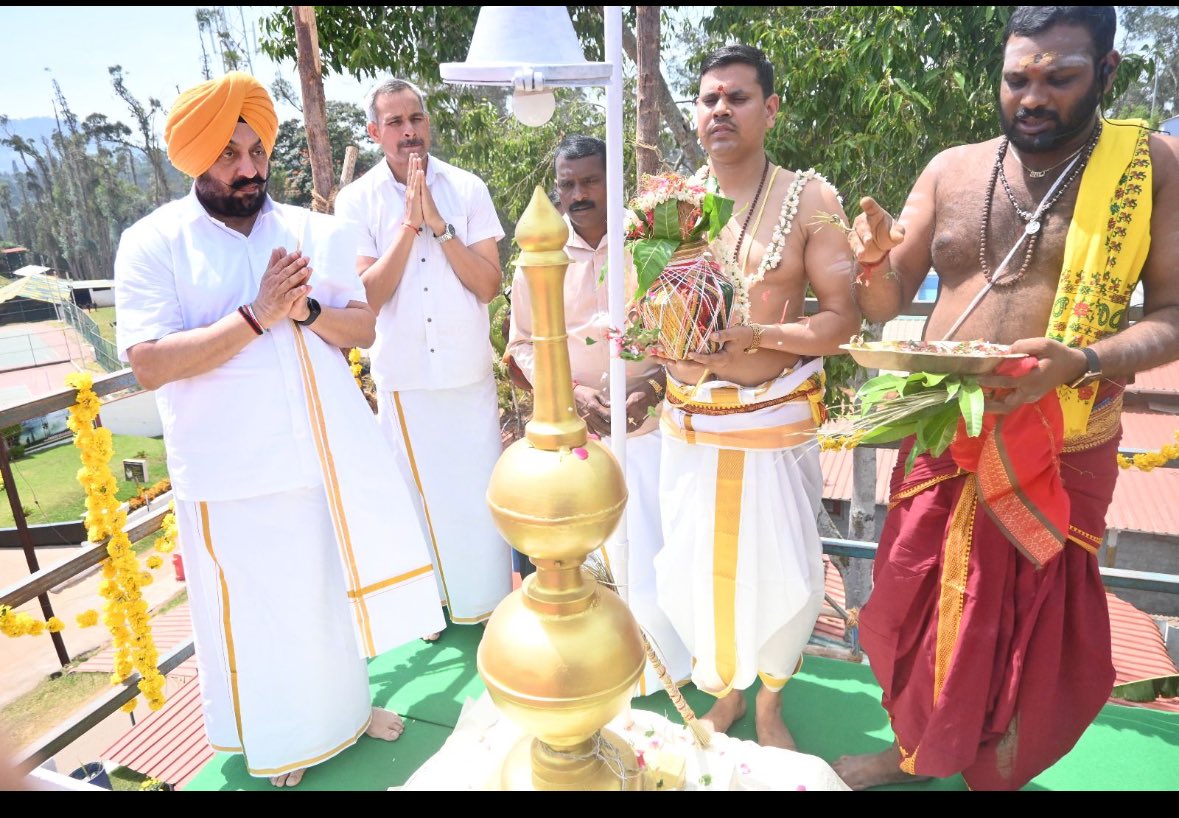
[883, 355]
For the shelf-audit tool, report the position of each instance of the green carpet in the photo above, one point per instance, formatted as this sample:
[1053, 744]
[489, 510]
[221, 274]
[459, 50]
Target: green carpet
[832, 707]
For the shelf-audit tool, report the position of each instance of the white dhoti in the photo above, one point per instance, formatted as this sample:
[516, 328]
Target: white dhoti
[290, 591]
[449, 440]
[281, 677]
[645, 534]
[740, 574]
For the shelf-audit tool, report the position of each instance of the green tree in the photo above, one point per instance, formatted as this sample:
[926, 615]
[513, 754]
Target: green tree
[1149, 76]
[290, 167]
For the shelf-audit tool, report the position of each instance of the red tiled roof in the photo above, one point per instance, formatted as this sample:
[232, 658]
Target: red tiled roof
[169, 630]
[1138, 649]
[1163, 378]
[170, 744]
[1145, 502]
[1148, 430]
[837, 474]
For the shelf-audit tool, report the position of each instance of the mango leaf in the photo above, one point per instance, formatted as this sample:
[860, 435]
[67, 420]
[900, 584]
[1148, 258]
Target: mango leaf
[970, 401]
[1147, 690]
[717, 210]
[887, 434]
[667, 221]
[937, 432]
[916, 450]
[880, 384]
[650, 257]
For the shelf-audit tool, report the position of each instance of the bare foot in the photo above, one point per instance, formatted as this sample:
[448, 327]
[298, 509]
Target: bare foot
[432, 637]
[725, 712]
[874, 770]
[771, 730]
[385, 725]
[288, 779]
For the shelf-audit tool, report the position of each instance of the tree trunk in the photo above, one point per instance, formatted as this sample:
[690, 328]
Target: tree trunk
[647, 107]
[681, 130]
[319, 149]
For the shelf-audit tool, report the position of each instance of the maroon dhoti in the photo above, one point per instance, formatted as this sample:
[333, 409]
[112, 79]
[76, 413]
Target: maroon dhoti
[991, 666]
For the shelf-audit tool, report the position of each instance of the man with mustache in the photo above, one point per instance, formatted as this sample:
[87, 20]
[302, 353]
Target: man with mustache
[233, 308]
[987, 627]
[581, 189]
[429, 260]
[741, 574]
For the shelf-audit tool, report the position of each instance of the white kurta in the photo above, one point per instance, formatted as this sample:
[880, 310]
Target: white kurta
[291, 508]
[431, 364]
[741, 575]
[587, 319]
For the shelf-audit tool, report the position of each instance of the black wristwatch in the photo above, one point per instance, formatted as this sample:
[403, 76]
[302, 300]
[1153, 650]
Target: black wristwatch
[313, 312]
[1092, 369]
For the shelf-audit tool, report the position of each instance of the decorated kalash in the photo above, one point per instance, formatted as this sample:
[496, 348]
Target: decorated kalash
[683, 296]
[561, 654]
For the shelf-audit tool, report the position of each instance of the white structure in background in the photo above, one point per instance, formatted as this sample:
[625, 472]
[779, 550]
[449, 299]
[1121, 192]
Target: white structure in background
[133, 414]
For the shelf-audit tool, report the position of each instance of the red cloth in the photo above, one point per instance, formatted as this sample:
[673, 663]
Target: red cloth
[1030, 666]
[1016, 458]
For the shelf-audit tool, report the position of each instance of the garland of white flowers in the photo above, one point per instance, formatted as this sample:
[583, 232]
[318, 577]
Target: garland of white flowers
[742, 283]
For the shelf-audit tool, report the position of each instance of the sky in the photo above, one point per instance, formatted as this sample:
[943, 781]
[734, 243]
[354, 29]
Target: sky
[158, 47]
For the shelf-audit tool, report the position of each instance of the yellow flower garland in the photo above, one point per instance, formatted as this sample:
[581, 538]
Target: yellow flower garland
[125, 612]
[1150, 460]
[355, 365]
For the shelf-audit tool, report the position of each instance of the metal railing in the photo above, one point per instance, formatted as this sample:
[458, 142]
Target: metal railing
[104, 351]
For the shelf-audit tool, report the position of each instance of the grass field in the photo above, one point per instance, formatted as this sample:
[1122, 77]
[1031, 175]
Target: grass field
[105, 318]
[48, 484]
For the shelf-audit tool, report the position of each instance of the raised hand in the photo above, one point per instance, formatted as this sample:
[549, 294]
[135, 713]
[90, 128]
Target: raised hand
[283, 286]
[430, 213]
[874, 233]
[594, 408]
[414, 184]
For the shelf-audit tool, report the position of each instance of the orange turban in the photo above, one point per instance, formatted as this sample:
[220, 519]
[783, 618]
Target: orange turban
[203, 119]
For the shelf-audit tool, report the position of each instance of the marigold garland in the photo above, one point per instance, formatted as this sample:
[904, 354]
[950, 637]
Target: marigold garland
[354, 364]
[125, 613]
[1151, 460]
[166, 542]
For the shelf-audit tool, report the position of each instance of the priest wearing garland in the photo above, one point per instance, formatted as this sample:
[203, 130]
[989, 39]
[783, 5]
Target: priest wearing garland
[740, 574]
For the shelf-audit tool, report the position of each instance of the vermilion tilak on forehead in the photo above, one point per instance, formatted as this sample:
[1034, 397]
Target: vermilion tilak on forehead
[1039, 58]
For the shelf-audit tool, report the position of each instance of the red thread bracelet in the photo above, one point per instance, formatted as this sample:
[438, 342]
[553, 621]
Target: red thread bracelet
[868, 269]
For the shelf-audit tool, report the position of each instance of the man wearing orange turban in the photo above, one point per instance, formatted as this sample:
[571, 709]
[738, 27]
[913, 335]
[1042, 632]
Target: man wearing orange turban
[203, 119]
[284, 484]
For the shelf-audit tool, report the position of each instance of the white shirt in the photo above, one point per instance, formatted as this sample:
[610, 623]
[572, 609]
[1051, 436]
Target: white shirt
[587, 318]
[242, 429]
[433, 332]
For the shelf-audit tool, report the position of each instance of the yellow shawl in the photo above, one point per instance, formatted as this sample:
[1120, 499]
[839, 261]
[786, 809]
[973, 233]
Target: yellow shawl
[1107, 244]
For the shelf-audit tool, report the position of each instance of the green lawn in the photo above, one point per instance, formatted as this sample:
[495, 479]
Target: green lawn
[105, 318]
[48, 483]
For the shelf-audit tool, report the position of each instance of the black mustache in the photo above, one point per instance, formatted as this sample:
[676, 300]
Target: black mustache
[240, 183]
[410, 143]
[1037, 113]
[581, 206]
